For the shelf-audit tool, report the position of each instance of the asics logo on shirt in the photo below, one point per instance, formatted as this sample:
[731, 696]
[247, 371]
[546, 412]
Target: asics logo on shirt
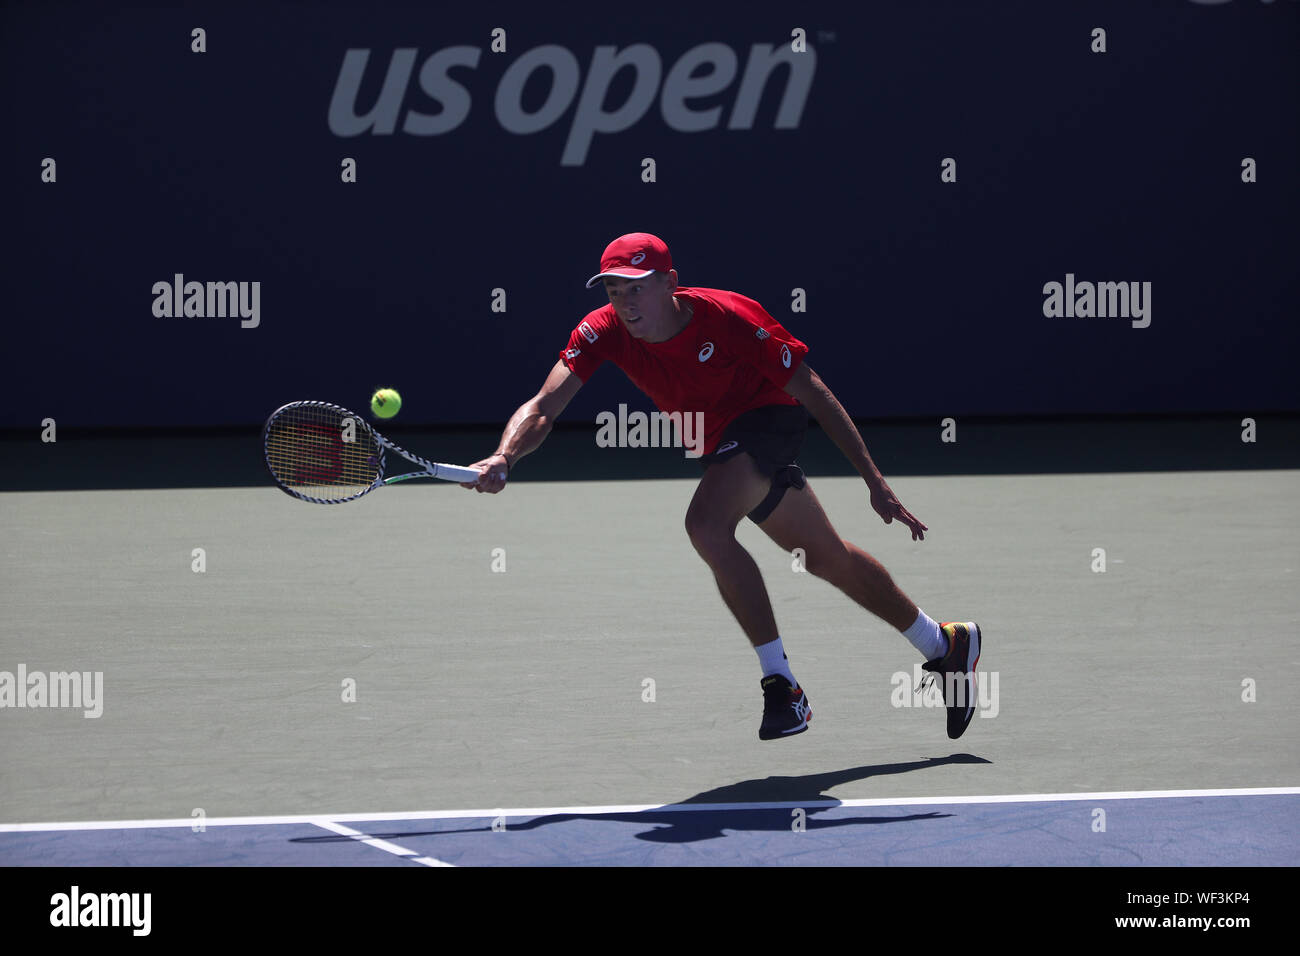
[707, 350]
[785, 355]
[726, 446]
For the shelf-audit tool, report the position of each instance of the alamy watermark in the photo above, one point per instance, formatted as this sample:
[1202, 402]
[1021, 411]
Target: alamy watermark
[75, 908]
[651, 430]
[200, 300]
[908, 691]
[1102, 300]
[83, 690]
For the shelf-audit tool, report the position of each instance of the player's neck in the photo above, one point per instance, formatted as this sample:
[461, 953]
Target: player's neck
[678, 319]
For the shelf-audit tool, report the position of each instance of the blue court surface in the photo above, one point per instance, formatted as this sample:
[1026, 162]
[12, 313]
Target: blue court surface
[1255, 827]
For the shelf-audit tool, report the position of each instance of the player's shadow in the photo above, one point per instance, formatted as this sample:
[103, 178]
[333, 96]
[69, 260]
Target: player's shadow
[762, 804]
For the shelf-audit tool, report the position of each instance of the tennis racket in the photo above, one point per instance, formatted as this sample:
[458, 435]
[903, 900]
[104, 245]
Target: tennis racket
[326, 454]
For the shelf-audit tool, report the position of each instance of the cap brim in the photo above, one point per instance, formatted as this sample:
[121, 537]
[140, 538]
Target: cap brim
[618, 275]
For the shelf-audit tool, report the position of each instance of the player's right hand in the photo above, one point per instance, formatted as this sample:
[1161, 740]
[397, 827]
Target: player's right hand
[494, 473]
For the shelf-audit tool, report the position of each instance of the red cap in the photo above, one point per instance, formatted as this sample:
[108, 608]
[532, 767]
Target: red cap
[633, 256]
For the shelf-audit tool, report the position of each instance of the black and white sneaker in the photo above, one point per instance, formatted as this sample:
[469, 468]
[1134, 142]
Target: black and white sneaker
[955, 674]
[785, 709]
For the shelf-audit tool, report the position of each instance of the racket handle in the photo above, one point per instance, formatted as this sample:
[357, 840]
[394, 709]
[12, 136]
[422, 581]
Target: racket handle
[454, 472]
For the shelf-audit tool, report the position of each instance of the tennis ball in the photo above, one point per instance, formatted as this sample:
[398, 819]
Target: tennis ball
[386, 403]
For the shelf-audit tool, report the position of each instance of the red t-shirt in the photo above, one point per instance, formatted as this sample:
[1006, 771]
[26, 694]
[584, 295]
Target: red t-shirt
[732, 356]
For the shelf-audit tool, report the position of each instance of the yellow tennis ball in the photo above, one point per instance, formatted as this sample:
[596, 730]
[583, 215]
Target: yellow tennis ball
[386, 403]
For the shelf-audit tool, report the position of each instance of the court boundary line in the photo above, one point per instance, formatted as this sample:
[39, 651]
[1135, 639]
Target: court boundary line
[318, 819]
[386, 845]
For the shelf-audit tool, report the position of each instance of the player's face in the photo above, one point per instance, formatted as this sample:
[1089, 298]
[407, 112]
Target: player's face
[645, 306]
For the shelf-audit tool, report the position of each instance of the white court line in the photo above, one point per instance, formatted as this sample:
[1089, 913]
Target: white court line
[638, 808]
[378, 844]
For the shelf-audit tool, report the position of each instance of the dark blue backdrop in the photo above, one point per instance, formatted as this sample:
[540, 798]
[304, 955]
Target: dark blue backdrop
[923, 297]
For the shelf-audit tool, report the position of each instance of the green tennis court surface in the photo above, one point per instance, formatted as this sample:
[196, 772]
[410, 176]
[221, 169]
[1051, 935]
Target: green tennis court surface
[561, 645]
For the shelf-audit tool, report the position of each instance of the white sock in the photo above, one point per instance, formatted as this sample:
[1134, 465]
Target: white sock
[925, 636]
[771, 657]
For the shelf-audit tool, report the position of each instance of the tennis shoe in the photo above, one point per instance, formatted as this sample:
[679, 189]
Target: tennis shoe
[785, 709]
[955, 674]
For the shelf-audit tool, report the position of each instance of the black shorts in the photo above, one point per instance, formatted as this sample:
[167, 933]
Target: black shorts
[772, 435]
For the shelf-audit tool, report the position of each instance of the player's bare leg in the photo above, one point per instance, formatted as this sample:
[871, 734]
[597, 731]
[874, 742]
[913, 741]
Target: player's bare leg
[727, 492]
[800, 522]
[951, 650]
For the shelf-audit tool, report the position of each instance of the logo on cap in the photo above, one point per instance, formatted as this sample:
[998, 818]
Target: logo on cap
[633, 256]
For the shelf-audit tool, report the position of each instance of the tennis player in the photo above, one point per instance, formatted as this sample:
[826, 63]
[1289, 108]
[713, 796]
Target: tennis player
[719, 353]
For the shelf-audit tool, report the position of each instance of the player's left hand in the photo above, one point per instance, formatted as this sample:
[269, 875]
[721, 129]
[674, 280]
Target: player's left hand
[887, 505]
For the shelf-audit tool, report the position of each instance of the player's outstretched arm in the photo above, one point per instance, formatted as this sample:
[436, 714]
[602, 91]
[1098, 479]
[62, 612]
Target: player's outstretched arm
[814, 395]
[527, 429]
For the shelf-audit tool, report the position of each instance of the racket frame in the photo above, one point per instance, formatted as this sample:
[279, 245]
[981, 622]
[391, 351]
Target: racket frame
[431, 469]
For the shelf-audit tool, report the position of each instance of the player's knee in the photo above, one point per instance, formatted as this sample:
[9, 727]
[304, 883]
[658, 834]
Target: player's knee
[709, 536]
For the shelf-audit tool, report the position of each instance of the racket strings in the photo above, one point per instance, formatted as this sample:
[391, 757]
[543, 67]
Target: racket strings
[322, 452]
